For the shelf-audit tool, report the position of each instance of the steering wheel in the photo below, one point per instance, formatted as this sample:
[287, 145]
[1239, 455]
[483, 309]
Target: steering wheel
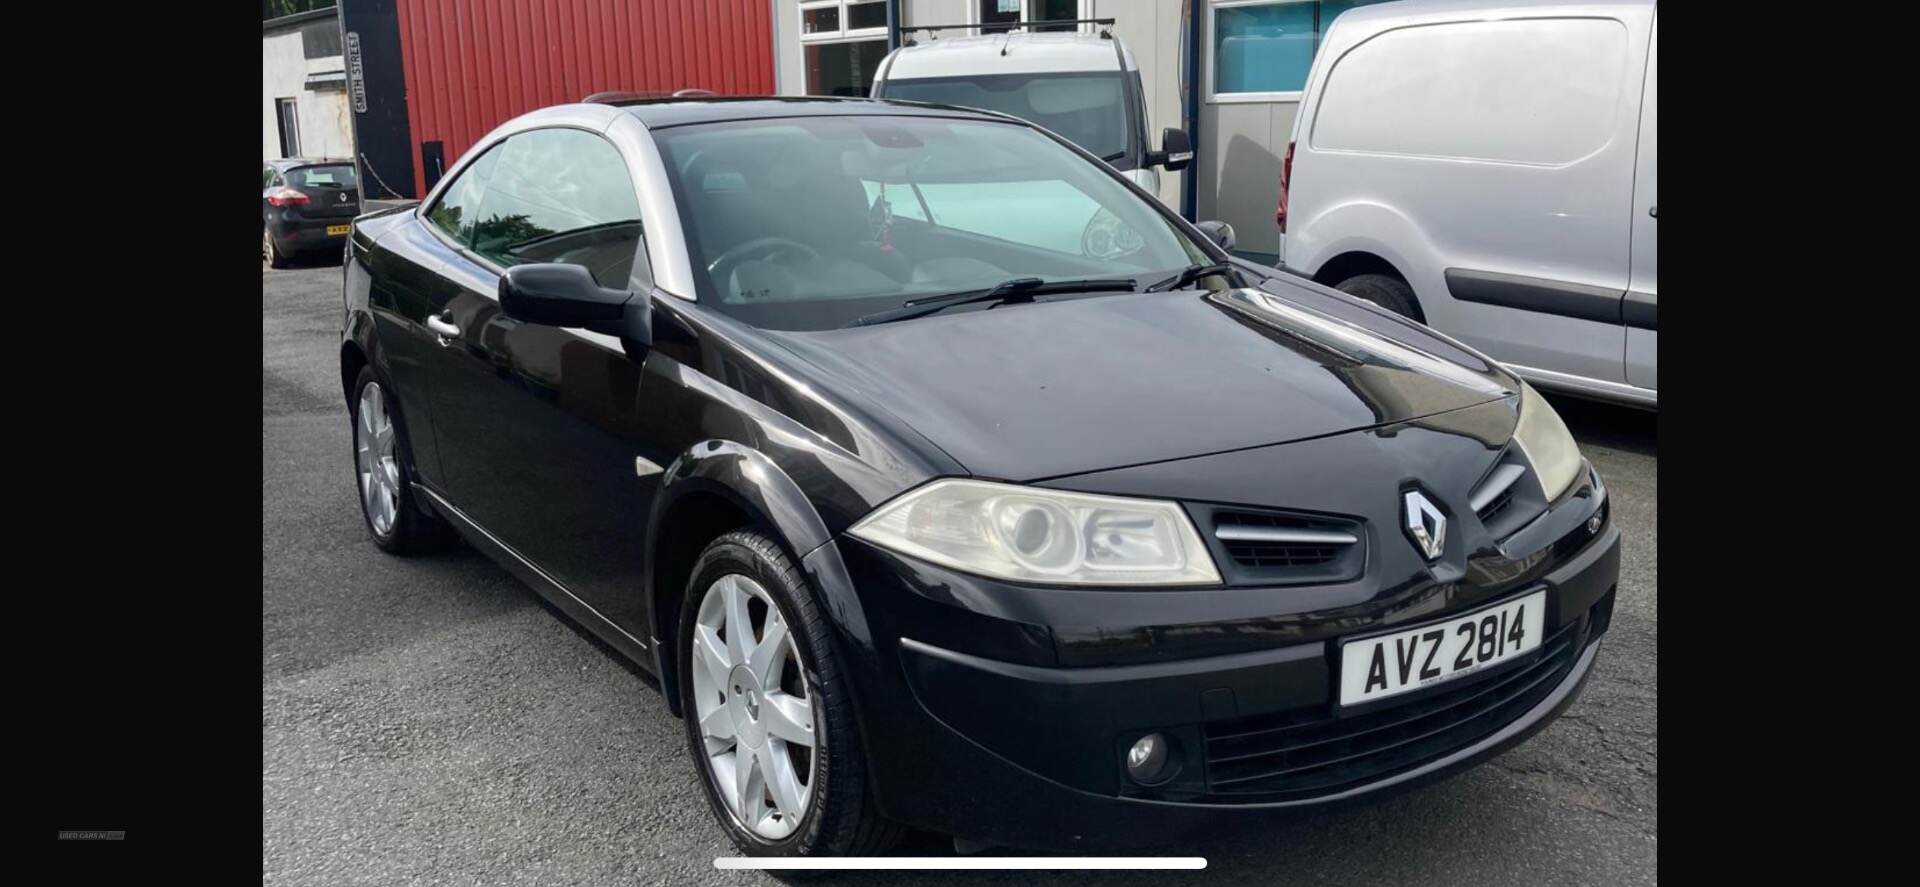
[720, 267]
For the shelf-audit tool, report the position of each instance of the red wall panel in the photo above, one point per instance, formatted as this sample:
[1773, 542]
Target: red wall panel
[471, 65]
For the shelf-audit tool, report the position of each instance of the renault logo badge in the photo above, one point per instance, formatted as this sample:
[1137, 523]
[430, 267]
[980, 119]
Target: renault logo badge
[1425, 525]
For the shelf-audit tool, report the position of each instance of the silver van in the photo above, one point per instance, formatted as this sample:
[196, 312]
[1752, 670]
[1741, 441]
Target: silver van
[1085, 87]
[1491, 169]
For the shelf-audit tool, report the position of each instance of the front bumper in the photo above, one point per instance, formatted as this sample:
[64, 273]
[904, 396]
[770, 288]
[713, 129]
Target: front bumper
[975, 728]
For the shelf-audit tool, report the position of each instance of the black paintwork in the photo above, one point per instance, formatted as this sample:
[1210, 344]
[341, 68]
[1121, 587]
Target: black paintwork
[989, 710]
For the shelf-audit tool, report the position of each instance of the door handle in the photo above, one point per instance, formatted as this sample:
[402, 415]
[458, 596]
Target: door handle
[442, 328]
[1654, 211]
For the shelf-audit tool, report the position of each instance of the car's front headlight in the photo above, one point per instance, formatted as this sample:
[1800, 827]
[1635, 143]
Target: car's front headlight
[1026, 534]
[1547, 443]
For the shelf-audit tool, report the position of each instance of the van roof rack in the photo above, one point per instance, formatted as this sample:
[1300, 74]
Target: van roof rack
[1106, 27]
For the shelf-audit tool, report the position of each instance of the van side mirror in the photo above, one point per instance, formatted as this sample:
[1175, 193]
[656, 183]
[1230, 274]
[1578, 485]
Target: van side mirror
[559, 295]
[1176, 150]
[1220, 233]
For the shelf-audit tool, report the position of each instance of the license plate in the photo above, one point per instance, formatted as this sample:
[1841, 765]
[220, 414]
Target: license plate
[338, 229]
[1387, 665]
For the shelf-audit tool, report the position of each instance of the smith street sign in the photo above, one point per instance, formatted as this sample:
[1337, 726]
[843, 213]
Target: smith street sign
[356, 76]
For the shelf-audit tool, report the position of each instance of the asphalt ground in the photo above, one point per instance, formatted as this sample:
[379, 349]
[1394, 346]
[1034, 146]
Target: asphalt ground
[430, 720]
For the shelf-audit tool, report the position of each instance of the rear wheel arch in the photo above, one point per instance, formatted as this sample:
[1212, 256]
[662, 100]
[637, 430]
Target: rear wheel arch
[359, 346]
[1355, 263]
[352, 358]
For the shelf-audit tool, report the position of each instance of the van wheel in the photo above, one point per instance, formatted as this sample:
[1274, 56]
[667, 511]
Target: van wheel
[1388, 292]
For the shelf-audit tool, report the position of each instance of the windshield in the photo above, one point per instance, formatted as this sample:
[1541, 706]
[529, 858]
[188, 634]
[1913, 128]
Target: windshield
[808, 223]
[322, 177]
[1087, 109]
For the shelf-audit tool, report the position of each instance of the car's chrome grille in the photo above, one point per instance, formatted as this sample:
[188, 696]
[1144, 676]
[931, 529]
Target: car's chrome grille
[1299, 755]
[1495, 493]
[1275, 545]
[1508, 496]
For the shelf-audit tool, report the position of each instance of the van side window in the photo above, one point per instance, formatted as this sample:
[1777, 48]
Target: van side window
[1473, 90]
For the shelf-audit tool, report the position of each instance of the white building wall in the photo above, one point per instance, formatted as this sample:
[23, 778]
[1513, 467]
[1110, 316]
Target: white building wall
[326, 129]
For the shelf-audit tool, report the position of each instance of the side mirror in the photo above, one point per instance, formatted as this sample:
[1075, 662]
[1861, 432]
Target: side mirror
[567, 296]
[1220, 233]
[1176, 150]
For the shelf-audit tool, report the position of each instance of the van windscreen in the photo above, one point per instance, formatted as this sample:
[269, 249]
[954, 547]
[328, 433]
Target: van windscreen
[1088, 109]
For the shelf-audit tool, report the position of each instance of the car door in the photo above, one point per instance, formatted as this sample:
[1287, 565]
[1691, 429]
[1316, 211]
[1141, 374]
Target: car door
[537, 424]
[1643, 286]
[406, 290]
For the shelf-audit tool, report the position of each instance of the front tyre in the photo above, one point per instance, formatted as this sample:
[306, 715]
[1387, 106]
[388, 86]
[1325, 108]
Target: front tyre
[769, 719]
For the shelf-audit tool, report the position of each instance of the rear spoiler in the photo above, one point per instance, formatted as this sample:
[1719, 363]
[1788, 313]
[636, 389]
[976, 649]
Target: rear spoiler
[1106, 27]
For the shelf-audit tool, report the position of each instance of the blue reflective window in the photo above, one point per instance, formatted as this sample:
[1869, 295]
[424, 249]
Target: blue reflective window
[1269, 47]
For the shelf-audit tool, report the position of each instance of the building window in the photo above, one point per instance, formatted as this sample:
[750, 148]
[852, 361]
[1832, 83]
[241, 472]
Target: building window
[996, 16]
[1261, 50]
[289, 127]
[842, 42]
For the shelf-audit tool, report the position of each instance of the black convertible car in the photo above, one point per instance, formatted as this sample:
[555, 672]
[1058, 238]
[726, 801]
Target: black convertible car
[946, 479]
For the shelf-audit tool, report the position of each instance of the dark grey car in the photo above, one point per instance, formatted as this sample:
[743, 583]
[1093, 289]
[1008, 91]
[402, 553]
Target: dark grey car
[307, 204]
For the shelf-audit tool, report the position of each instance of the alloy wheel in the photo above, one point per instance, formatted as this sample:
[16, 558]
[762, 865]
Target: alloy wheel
[377, 459]
[754, 706]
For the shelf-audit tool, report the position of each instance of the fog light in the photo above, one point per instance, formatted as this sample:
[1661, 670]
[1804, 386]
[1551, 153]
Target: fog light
[1147, 759]
[1593, 523]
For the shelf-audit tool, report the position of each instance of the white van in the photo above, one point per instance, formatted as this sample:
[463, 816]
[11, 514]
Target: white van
[1084, 87]
[1490, 168]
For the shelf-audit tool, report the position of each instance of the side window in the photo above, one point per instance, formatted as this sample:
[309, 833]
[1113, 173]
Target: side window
[560, 195]
[458, 207]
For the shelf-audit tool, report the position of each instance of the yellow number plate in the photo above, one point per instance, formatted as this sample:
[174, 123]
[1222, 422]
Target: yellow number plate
[338, 229]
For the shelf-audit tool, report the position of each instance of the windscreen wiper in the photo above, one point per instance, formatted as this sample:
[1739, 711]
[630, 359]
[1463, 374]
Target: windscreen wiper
[1019, 289]
[1192, 273]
